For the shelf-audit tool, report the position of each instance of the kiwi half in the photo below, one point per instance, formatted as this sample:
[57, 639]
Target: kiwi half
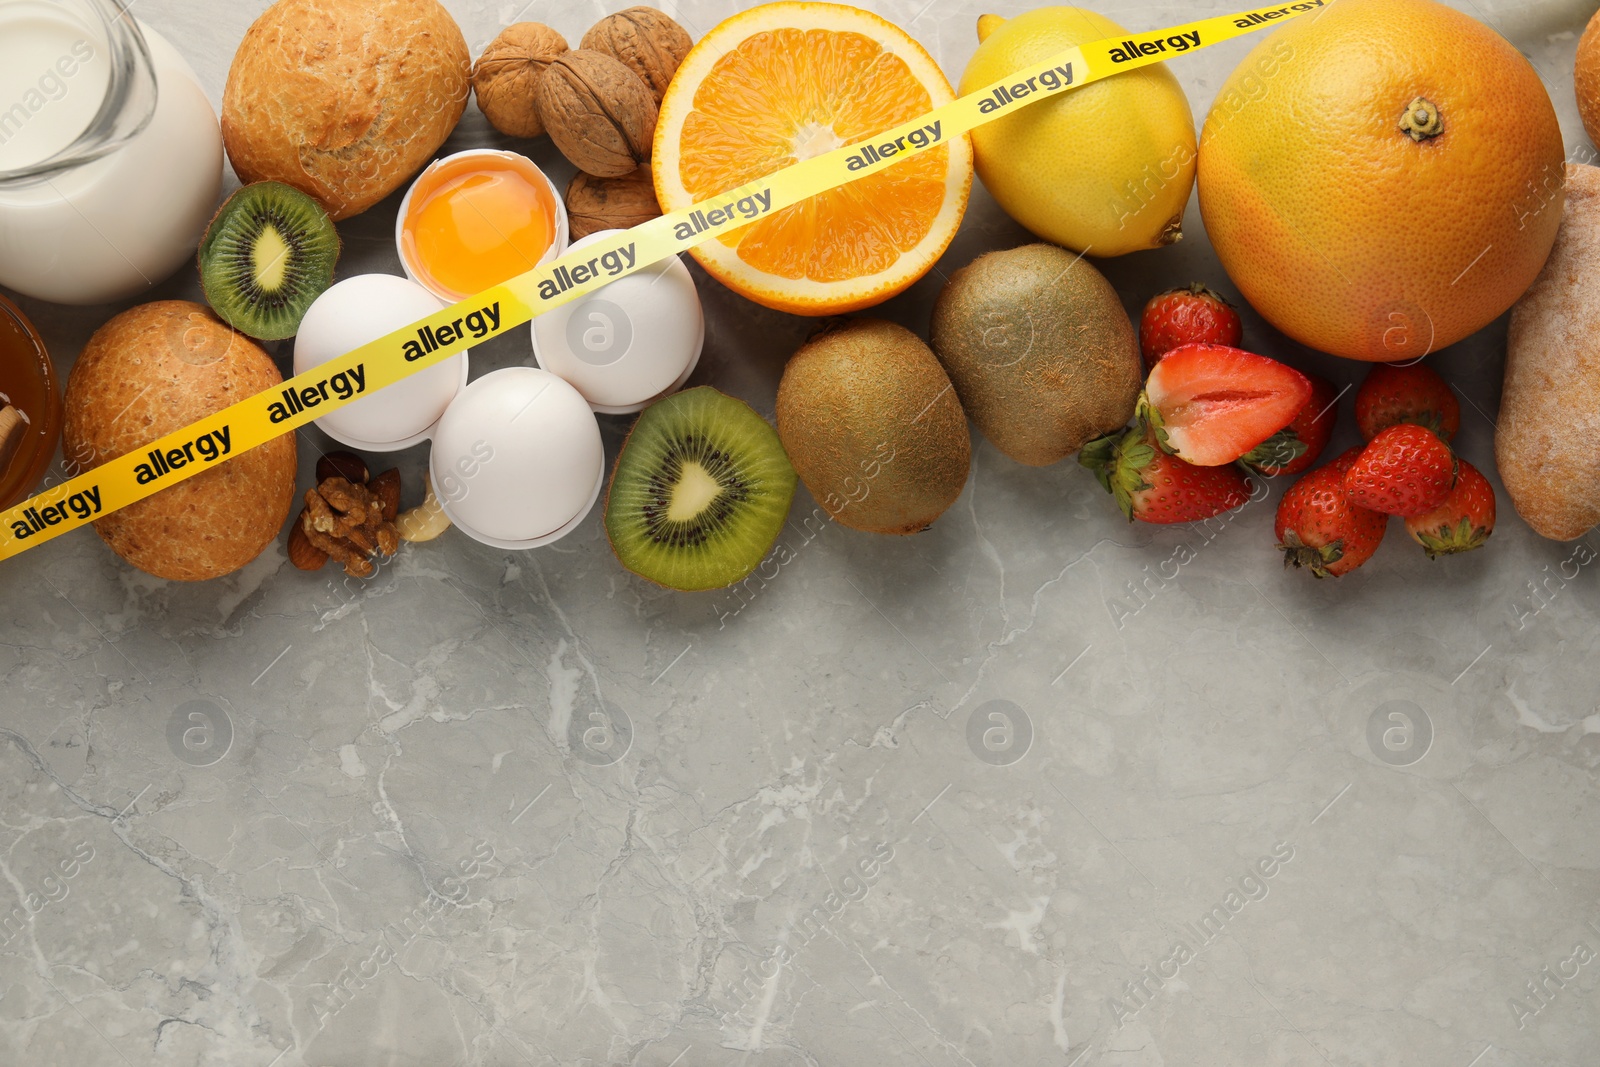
[699, 493]
[266, 257]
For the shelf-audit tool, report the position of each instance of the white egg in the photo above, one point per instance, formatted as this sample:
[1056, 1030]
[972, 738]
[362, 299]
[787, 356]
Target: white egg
[517, 461]
[629, 342]
[362, 309]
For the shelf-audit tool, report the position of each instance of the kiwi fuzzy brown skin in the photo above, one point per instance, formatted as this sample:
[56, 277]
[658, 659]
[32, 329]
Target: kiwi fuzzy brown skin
[1041, 351]
[873, 427]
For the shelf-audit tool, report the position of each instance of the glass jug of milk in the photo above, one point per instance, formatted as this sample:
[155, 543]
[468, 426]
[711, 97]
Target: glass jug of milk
[110, 153]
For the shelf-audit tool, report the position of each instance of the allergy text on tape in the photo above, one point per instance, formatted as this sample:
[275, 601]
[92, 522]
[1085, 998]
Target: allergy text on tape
[329, 386]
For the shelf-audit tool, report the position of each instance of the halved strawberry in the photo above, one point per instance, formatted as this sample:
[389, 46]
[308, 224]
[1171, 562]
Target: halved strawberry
[1152, 486]
[1210, 404]
[1296, 447]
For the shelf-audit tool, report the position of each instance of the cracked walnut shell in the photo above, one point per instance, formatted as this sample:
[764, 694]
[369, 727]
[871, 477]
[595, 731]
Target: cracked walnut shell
[598, 112]
[507, 75]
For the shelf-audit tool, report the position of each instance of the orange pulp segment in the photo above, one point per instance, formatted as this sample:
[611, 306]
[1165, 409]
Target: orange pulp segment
[787, 81]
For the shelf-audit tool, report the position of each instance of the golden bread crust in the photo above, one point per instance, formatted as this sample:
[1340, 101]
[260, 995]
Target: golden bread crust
[148, 372]
[344, 101]
[1550, 406]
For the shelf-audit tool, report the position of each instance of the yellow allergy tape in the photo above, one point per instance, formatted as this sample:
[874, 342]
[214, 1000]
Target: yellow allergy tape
[236, 429]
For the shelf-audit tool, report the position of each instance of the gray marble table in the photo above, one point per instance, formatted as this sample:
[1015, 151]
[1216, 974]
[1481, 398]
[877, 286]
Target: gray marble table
[1016, 790]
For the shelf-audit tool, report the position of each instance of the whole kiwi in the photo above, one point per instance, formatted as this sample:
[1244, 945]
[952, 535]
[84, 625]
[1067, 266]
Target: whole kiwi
[1040, 350]
[873, 427]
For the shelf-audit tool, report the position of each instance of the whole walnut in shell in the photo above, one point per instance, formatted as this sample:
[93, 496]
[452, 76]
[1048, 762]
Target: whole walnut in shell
[595, 204]
[598, 112]
[507, 75]
[647, 41]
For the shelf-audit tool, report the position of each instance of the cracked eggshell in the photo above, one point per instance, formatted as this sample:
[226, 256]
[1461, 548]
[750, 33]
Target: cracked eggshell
[628, 343]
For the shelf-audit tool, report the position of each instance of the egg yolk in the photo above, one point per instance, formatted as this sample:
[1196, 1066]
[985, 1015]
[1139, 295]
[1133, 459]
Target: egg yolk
[477, 222]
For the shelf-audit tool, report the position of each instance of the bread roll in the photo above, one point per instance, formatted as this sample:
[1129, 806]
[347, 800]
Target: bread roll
[1547, 439]
[153, 370]
[344, 99]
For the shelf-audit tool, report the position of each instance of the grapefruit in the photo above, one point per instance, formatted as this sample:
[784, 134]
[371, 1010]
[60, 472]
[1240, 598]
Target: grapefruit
[1382, 178]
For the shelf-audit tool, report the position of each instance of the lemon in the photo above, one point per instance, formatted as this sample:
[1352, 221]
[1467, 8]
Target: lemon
[1103, 169]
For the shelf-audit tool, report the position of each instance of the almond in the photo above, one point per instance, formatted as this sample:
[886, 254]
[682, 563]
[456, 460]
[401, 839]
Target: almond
[341, 464]
[302, 553]
[386, 487]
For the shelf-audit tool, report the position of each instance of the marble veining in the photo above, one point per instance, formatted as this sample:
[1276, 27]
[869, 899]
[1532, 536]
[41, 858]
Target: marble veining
[1035, 786]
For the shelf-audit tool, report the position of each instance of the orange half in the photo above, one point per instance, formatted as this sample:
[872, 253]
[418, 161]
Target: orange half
[787, 81]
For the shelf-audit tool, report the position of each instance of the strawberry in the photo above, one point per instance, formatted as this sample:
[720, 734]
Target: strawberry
[1210, 404]
[1405, 470]
[1320, 529]
[1414, 393]
[1181, 316]
[1463, 522]
[1296, 447]
[1152, 486]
